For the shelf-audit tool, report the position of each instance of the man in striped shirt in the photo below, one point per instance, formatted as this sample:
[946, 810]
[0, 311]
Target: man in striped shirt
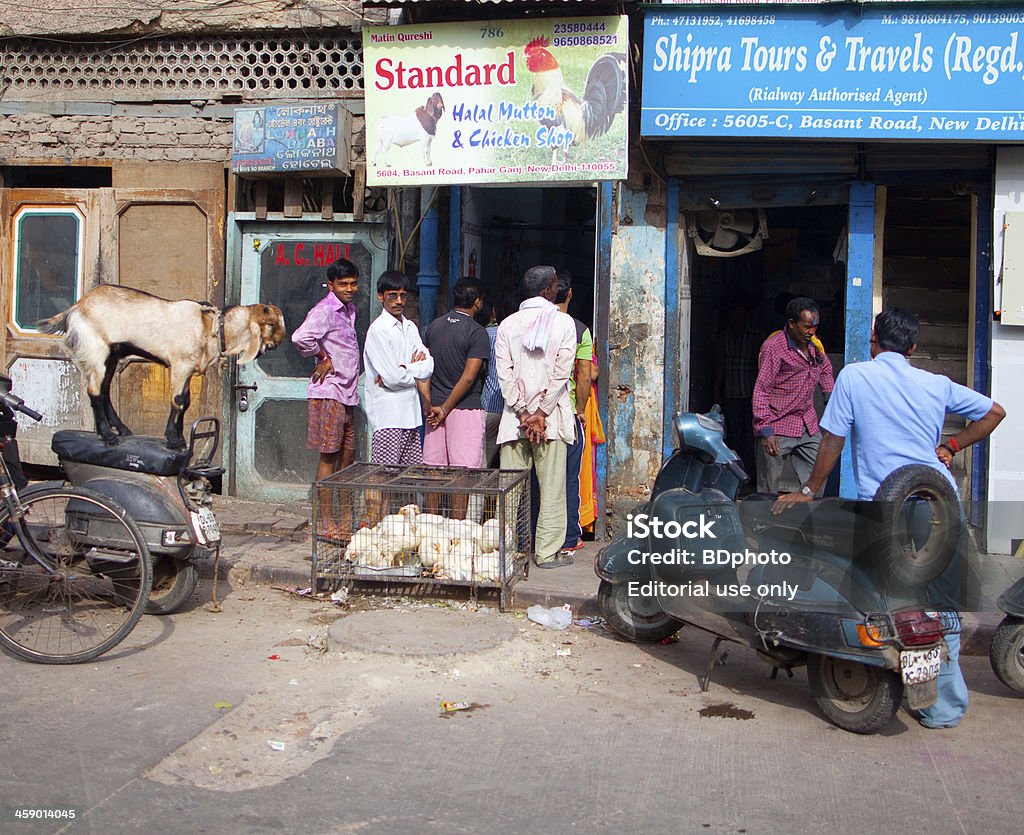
[785, 421]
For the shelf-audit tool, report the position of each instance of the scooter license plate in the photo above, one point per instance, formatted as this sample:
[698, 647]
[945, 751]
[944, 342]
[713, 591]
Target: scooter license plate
[206, 525]
[920, 665]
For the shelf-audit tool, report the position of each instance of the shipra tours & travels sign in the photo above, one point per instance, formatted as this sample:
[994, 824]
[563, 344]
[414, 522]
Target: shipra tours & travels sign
[871, 73]
[497, 102]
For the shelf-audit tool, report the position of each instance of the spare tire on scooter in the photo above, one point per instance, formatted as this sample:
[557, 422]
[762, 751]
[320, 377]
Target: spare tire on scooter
[916, 542]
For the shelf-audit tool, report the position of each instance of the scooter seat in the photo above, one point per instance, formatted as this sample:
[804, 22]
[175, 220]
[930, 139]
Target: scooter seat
[136, 453]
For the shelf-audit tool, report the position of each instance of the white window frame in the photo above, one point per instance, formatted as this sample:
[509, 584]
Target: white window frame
[28, 211]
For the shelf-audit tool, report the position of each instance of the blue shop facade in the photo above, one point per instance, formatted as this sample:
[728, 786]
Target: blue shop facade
[863, 155]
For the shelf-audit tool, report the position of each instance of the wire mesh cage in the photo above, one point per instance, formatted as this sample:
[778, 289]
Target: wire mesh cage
[421, 525]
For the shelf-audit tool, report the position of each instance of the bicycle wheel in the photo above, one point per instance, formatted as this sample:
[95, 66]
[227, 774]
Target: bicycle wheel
[75, 578]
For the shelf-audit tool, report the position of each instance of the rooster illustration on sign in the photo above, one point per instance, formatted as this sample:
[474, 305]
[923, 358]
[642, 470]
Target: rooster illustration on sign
[604, 94]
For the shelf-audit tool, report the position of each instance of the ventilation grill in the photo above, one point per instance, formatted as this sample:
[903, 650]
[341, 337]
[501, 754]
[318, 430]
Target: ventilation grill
[184, 68]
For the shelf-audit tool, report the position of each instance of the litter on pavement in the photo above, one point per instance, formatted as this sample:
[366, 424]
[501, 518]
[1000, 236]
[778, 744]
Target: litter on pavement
[558, 617]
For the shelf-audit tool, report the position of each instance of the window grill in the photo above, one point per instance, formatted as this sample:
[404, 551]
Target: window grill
[252, 67]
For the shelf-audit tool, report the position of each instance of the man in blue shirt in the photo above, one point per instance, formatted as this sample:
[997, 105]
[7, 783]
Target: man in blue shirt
[893, 414]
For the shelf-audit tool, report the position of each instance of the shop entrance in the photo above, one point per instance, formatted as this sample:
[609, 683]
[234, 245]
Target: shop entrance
[508, 230]
[505, 231]
[285, 264]
[802, 254]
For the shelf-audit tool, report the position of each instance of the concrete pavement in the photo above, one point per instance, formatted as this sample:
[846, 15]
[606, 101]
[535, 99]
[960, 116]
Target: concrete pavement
[271, 543]
[249, 721]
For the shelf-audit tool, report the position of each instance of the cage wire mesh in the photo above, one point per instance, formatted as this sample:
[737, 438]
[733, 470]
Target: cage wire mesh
[433, 526]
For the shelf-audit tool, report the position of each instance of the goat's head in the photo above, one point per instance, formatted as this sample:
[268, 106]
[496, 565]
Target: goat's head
[435, 106]
[266, 330]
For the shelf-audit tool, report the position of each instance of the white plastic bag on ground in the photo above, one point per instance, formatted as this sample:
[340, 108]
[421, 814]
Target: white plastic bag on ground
[558, 617]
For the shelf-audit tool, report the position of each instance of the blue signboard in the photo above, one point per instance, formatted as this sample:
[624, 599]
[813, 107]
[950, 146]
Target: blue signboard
[822, 73]
[293, 137]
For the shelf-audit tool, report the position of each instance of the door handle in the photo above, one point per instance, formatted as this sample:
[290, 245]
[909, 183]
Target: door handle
[243, 400]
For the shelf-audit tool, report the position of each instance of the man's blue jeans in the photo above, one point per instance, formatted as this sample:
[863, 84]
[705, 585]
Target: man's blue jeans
[953, 699]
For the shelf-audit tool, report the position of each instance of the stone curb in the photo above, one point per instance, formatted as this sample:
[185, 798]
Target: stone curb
[978, 628]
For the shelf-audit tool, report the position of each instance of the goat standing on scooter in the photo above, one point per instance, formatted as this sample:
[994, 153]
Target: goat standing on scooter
[893, 414]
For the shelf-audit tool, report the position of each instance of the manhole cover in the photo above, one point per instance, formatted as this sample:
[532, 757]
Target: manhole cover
[419, 632]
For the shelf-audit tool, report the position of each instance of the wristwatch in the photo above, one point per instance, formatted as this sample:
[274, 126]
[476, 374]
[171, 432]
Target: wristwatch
[807, 491]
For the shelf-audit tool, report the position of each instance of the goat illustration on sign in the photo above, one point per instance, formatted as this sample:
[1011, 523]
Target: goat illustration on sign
[110, 323]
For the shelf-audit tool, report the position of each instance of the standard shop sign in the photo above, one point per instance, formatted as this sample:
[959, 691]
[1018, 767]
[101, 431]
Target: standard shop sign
[507, 101]
[290, 138]
[869, 73]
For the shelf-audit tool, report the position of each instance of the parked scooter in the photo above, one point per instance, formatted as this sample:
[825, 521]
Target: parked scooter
[835, 584]
[167, 492]
[1006, 653]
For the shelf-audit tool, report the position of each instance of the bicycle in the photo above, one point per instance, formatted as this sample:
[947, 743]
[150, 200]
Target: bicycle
[75, 571]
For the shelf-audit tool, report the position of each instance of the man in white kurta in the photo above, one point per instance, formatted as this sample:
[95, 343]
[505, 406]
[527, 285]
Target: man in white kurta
[535, 351]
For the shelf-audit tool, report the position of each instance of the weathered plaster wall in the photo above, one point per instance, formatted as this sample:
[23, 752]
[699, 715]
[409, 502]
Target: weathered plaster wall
[41, 137]
[135, 17]
[636, 346]
[76, 138]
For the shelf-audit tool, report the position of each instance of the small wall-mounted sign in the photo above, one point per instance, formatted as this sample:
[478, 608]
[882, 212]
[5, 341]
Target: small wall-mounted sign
[291, 138]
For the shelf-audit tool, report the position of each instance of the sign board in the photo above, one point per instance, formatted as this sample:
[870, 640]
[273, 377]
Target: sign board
[510, 101]
[826, 73]
[291, 138]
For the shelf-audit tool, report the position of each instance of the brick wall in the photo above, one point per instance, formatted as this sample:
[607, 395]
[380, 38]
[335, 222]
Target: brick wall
[42, 137]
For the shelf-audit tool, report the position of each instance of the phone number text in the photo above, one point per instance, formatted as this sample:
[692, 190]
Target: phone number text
[585, 40]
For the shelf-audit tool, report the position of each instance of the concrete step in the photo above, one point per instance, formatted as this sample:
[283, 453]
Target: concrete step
[943, 337]
[954, 367]
[933, 273]
[933, 305]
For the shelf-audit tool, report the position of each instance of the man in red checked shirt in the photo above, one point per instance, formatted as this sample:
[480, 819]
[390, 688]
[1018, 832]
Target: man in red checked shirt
[792, 366]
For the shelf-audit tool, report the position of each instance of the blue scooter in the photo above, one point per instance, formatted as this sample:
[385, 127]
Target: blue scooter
[838, 585]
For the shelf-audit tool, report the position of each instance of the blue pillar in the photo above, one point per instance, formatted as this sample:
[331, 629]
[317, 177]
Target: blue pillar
[454, 238]
[605, 222]
[982, 344]
[860, 269]
[428, 279]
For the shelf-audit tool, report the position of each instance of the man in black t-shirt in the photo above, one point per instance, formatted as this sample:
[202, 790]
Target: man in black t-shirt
[460, 347]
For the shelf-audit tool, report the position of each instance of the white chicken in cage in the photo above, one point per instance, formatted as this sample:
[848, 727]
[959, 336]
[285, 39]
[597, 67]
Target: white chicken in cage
[490, 535]
[399, 530]
[461, 560]
[364, 545]
[470, 530]
[488, 567]
[454, 549]
[435, 549]
[430, 524]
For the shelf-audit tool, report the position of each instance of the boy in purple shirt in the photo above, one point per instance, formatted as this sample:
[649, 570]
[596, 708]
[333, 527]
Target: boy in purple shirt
[329, 334]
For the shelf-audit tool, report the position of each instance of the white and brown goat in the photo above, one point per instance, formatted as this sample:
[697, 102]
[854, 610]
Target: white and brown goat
[110, 323]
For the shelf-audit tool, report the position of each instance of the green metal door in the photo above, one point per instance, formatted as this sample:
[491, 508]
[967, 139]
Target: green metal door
[286, 265]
